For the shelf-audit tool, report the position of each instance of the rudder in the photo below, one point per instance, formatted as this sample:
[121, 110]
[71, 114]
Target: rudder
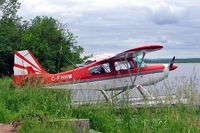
[25, 66]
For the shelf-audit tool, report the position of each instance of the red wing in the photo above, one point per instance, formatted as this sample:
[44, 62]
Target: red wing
[135, 52]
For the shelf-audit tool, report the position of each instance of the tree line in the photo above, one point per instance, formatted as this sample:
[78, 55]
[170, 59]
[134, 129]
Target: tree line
[50, 41]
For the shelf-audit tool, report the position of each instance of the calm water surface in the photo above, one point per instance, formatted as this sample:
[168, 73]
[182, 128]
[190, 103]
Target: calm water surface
[186, 70]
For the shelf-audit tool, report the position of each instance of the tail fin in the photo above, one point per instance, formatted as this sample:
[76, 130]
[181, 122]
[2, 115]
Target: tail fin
[25, 66]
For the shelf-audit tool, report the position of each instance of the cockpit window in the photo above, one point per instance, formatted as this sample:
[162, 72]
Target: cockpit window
[139, 62]
[100, 69]
[88, 62]
[123, 65]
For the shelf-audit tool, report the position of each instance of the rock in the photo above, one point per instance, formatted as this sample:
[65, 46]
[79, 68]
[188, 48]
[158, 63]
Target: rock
[80, 125]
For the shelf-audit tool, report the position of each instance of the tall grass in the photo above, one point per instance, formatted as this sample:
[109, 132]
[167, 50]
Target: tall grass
[36, 106]
[31, 104]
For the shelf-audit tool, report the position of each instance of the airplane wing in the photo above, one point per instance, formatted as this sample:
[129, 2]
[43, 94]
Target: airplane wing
[131, 53]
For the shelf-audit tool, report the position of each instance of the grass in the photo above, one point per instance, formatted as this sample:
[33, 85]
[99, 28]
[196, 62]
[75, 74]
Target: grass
[35, 106]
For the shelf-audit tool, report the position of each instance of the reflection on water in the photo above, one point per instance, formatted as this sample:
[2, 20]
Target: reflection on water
[186, 76]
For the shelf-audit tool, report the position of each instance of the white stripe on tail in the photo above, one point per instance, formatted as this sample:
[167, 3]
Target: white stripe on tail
[26, 65]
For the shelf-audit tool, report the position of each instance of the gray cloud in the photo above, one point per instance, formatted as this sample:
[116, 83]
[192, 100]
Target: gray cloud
[168, 13]
[113, 26]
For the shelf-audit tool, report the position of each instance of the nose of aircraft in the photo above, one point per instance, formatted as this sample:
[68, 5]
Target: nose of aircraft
[173, 67]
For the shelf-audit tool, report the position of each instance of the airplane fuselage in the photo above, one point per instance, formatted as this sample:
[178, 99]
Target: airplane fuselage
[81, 78]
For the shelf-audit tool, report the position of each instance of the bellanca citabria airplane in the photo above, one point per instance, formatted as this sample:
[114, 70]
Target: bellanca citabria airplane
[122, 72]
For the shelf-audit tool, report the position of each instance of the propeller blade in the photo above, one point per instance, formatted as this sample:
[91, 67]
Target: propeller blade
[171, 65]
[172, 62]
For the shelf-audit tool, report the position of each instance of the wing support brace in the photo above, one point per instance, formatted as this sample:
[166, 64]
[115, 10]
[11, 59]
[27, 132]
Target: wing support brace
[140, 88]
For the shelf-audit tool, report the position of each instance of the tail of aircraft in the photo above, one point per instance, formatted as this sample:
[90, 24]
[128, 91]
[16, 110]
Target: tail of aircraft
[26, 68]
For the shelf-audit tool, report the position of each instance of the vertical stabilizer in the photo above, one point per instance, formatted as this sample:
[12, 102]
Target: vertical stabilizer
[26, 66]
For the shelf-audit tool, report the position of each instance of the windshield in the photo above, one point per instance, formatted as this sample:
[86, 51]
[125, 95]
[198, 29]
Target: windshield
[139, 62]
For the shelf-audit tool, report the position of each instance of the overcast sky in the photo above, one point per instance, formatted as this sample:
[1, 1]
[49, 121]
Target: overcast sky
[116, 25]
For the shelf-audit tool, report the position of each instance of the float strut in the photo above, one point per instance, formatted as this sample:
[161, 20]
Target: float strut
[106, 96]
[141, 89]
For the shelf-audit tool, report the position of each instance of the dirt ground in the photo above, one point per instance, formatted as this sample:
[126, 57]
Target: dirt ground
[8, 128]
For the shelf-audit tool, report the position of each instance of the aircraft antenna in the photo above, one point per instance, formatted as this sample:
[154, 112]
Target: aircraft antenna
[60, 52]
[71, 62]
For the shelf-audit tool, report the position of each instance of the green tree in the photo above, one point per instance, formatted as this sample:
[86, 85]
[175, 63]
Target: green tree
[9, 8]
[9, 35]
[52, 44]
[50, 41]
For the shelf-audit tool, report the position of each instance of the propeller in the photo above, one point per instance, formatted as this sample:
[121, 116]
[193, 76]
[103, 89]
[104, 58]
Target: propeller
[171, 66]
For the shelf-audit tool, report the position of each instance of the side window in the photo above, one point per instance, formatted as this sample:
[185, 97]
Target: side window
[100, 69]
[123, 65]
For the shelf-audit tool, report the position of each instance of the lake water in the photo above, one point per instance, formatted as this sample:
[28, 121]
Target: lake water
[186, 70]
[185, 77]
[187, 74]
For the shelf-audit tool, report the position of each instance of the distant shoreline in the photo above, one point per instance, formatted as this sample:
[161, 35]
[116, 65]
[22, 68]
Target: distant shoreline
[187, 60]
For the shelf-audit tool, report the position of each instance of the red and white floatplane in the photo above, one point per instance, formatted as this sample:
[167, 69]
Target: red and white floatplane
[106, 72]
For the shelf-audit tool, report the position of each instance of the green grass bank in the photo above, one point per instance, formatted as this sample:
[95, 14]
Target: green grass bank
[35, 107]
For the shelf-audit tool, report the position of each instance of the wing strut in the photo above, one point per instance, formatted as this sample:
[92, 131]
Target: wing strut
[132, 81]
[133, 86]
